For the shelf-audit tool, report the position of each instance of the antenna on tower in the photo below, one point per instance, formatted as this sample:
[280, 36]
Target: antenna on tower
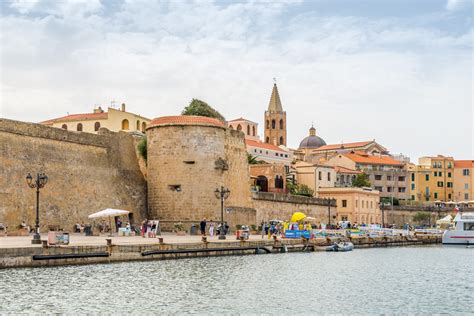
[274, 80]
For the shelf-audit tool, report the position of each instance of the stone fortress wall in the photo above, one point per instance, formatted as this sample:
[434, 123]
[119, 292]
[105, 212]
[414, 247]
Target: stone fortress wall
[86, 172]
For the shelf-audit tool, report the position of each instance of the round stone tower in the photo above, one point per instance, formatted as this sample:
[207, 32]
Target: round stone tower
[186, 163]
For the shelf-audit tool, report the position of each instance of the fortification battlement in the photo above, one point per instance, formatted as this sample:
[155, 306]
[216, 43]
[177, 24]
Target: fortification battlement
[278, 197]
[103, 139]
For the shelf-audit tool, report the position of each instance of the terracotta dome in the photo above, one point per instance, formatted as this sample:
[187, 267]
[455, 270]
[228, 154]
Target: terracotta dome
[312, 141]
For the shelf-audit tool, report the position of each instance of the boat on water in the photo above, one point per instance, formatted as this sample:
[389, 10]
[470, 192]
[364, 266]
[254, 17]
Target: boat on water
[463, 231]
[341, 246]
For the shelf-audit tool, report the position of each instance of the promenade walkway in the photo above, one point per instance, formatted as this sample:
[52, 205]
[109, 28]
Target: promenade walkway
[81, 240]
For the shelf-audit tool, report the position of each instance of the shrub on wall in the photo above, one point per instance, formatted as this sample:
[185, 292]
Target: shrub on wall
[142, 148]
[201, 108]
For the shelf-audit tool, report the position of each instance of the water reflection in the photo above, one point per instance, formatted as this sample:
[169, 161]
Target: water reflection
[432, 279]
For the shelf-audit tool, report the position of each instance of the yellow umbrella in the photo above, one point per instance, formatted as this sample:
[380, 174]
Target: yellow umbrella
[296, 217]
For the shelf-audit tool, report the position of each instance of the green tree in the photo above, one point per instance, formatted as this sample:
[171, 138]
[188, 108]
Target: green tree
[421, 217]
[362, 180]
[201, 108]
[142, 148]
[252, 160]
[299, 189]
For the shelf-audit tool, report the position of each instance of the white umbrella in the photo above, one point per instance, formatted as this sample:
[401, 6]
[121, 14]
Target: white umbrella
[109, 212]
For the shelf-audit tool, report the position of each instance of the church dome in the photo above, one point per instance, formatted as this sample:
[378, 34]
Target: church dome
[312, 141]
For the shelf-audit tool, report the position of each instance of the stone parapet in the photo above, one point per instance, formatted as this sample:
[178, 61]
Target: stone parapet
[295, 199]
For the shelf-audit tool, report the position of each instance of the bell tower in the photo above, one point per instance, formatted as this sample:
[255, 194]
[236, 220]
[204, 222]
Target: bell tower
[275, 120]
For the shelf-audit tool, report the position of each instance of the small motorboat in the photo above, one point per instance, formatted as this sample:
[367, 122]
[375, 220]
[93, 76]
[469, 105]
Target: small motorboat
[341, 246]
[463, 232]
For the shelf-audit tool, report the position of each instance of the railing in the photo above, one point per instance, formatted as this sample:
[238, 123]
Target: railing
[279, 197]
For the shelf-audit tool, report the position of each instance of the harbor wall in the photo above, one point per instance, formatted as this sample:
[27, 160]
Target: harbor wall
[86, 173]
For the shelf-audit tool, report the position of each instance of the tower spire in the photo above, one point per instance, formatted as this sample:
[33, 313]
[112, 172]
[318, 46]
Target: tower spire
[275, 103]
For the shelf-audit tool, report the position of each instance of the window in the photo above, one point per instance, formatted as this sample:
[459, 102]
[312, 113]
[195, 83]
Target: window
[273, 124]
[413, 197]
[281, 124]
[427, 177]
[412, 177]
[138, 125]
[389, 178]
[96, 126]
[440, 174]
[282, 142]
[267, 124]
[248, 130]
[413, 186]
[239, 128]
[466, 185]
[469, 226]
[329, 176]
[401, 190]
[64, 127]
[378, 177]
[379, 189]
[79, 127]
[449, 165]
[389, 189]
[401, 179]
[231, 127]
[439, 164]
[267, 140]
[466, 196]
[436, 173]
[320, 175]
[143, 127]
[449, 184]
[276, 154]
[440, 184]
[465, 172]
[253, 130]
[449, 174]
[260, 151]
[435, 195]
[449, 196]
[125, 124]
[434, 164]
[286, 155]
[344, 203]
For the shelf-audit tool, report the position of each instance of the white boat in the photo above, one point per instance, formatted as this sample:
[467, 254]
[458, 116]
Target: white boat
[341, 246]
[463, 231]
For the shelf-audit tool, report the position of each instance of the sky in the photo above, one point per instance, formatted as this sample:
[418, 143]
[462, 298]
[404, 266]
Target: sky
[397, 71]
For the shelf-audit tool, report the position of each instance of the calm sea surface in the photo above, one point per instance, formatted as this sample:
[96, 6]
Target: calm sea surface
[410, 280]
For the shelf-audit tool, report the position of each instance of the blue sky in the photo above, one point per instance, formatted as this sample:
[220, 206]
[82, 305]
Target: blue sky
[398, 71]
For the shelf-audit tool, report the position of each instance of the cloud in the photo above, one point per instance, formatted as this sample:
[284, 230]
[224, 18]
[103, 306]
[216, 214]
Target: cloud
[356, 78]
[453, 5]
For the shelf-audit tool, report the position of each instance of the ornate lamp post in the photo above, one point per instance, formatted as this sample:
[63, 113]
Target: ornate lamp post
[383, 217]
[222, 194]
[38, 183]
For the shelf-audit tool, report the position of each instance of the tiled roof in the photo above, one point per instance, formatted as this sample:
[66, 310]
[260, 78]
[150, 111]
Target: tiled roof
[185, 120]
[242, 119]
[373, 160]
[343, 146]
[253, 143]
[339, 169]
[463, 163]
[77, 117]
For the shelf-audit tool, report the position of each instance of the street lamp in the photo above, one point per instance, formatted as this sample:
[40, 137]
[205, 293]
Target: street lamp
[222, 194]
[329, 200]
[383, 217]
[38, 183]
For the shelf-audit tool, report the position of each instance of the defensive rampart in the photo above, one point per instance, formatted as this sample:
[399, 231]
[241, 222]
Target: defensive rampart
[86, 173]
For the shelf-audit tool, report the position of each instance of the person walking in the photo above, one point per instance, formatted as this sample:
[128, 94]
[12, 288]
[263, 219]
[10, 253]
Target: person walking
[211, 229]
[202, 225]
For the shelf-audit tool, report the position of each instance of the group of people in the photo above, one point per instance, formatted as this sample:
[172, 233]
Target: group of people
[275, 228]
[149, 228]
[203, 228]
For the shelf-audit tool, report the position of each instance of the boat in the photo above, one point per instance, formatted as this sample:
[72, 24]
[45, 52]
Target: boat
[341, 246]
[463, 231]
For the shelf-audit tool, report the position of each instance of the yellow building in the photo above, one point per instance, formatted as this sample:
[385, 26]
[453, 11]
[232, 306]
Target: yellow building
[114, 120]
[463, 180]
[432, 179]
[357, 205]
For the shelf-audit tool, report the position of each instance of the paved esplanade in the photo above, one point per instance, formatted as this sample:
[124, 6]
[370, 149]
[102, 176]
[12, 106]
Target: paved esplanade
[81, 240]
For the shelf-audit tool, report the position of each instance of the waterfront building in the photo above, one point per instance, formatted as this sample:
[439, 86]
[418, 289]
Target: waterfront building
[114, 120]
[314, 175]
[357, 205]
[249, 128]
[269, 177]
[326, 152]
[463, 180]
[432, 179]
[275, 121]
[345, 176]
[387, 175]
[268, 152]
